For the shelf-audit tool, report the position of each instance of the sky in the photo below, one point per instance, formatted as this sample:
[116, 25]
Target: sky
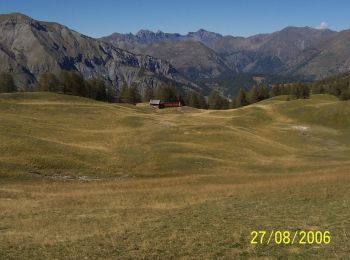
[228, 17]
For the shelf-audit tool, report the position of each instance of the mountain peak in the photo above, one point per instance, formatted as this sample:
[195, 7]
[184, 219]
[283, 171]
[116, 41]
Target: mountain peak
[143, 33]
[304, 29]
[205, 32]
[204, 36]
[202, 30]
[15, 16]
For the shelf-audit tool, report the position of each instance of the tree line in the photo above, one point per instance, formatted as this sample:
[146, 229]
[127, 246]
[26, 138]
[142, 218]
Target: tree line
[73, 83]
[259, 93]
[338, 86]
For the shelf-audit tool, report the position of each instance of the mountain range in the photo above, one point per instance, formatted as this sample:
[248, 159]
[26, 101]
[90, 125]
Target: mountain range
[29, 48]
[199, 60]
[274, 53]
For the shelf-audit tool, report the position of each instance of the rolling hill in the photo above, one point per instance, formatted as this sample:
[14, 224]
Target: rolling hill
[58, 133]
[85, 179]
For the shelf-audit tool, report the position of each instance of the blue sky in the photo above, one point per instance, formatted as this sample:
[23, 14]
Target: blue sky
[239, 18]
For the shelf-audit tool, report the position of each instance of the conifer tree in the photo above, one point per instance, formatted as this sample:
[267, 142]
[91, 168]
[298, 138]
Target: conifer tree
[123, 94]
[49, 82]
[7, 84]
[263, 93]
[253, 95]
[166, 93]
[276, 90]
[97, 89]
[216, 101]
[148, 94]
[241, 99]
[133, 95]
[195, 99]
[73, 83]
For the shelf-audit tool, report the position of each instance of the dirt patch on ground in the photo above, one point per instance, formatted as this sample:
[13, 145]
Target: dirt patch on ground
[63, 177]
[300, 127]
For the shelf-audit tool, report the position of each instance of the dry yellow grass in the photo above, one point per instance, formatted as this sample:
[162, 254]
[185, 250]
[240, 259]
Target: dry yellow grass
[82, 179]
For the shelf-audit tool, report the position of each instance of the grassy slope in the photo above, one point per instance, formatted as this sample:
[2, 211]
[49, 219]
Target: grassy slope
[203, 179]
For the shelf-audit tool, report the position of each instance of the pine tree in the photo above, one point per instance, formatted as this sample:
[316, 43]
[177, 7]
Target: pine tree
[317, 88]
[296, 91]
[133, 95]
[345, 94]
[233, 103]
[166, 93]
[191, 99]
[241, 99]
[123, 94]
[263, 93]
[148, 94]
[73, 83]
[253, 95]
[97, 89]
[216, 101]
[130, 94]
[276, 90]
[111, 94]
[286, 89]
[202, 101]
[49, 82]
[7, 84]
[300, 90]
[305, 91]
[195, 99]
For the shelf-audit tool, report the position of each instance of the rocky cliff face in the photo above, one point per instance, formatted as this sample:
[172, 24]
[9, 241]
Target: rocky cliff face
[29, 48]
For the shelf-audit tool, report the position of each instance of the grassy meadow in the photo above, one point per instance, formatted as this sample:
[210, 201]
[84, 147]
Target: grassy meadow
[81, 179]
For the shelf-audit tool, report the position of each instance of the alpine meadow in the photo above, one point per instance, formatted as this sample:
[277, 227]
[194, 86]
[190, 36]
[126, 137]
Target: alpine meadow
[156, 145]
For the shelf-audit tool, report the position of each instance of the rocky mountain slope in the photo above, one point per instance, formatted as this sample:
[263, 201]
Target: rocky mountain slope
[263, 53]
[190, 53]
[192, 58]
[323, 59]
[29, 48]
[268, 53]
